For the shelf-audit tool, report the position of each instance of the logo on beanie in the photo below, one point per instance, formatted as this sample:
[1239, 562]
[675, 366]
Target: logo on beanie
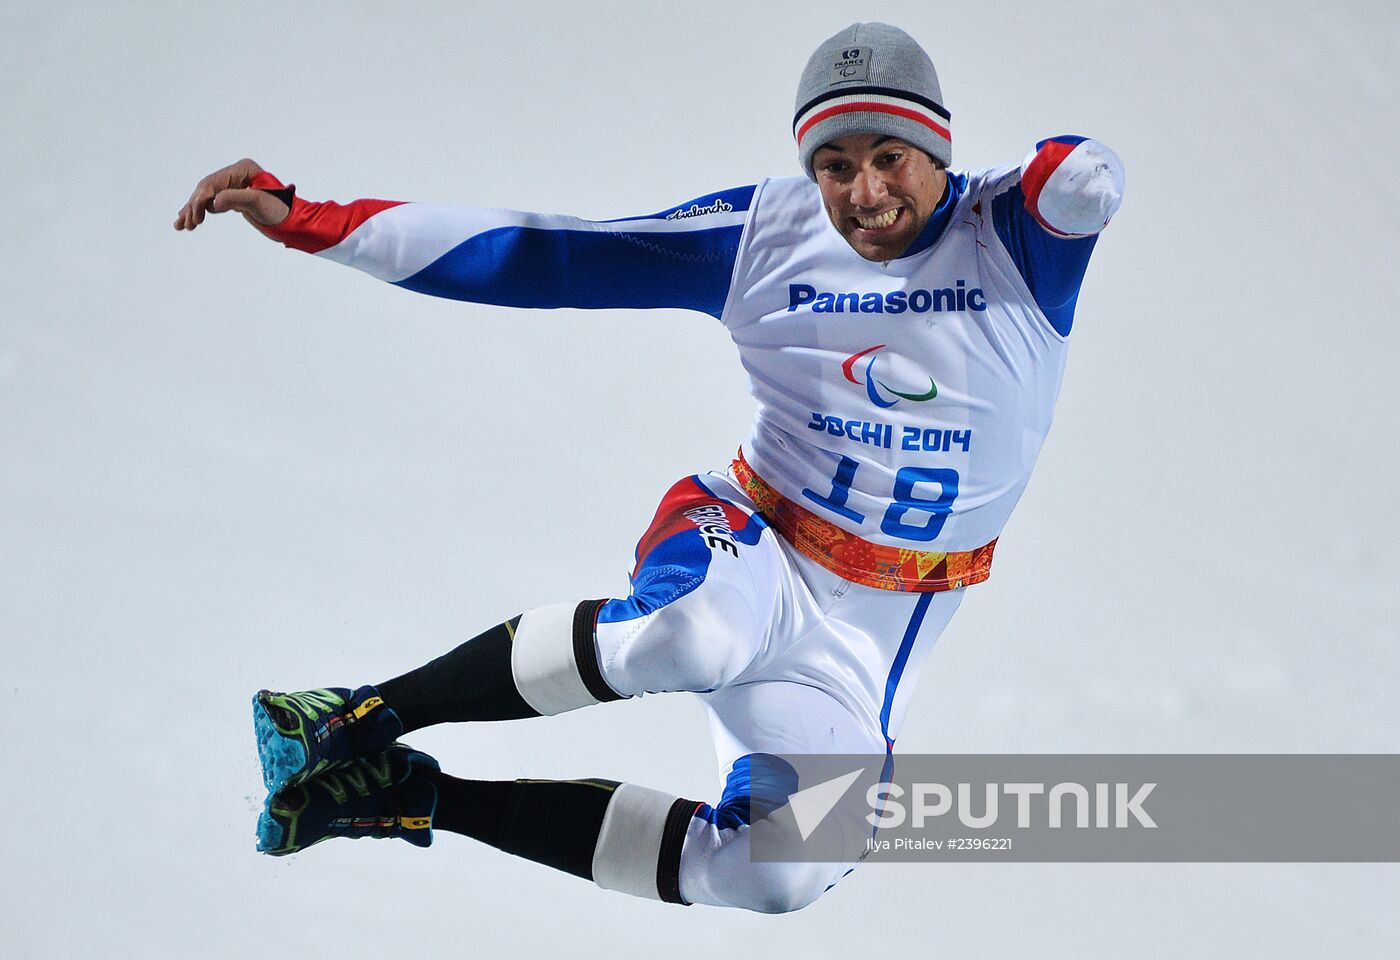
[853, 65]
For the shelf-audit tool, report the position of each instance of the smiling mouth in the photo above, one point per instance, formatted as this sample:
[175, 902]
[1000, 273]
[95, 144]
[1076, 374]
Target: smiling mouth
[881, 221]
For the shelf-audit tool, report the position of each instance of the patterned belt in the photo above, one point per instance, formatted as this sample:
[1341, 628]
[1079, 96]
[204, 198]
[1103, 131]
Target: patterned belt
[857, 560]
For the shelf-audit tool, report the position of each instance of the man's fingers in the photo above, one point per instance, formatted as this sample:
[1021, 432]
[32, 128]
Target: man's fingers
[203, 200]
[185, 219]
[199, 203]
[188, 217]
[192, 213]
[233, 177]
[258, 205]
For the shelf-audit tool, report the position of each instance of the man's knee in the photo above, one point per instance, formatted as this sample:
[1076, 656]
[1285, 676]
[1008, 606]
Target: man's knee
[720, 866]
[697, 642]
[783, 887]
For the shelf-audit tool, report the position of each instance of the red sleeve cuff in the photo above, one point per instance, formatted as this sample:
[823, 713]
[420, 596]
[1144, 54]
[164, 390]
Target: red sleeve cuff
[1034, 174]
[285, 231]
[262, 180]
[313, 227]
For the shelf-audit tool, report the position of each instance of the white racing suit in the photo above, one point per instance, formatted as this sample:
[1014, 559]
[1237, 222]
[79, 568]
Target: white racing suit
[900, 409]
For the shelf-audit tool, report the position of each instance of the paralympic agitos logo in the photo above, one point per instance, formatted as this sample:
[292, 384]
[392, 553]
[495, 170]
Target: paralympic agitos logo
[874, 387]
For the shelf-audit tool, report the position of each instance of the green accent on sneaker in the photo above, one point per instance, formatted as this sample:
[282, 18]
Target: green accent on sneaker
[306, 733]
[376, 796]
[339, 782]
[312, 703]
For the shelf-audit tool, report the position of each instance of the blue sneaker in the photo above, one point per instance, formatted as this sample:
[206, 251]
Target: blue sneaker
[381, 795]
[306, 733]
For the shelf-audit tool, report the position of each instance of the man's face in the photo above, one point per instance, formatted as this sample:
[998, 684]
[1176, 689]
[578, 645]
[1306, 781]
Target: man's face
[878, 191]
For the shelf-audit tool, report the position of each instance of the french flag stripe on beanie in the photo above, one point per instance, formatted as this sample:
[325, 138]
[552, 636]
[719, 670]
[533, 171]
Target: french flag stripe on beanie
[871, 103]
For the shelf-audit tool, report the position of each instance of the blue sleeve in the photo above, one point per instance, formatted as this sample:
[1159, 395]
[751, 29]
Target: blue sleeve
[1053, 267]
[680, 257]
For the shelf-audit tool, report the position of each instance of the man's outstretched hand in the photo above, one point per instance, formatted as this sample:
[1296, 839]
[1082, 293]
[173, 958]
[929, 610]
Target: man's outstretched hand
[228, 189]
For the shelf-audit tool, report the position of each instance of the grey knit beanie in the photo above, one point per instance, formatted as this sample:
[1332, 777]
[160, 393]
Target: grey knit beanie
[870, 78]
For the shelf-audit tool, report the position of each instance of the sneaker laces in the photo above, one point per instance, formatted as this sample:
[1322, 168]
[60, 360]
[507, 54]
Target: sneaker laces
[356, 776]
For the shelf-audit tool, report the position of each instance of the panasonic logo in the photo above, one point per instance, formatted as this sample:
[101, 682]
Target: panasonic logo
[948, 299]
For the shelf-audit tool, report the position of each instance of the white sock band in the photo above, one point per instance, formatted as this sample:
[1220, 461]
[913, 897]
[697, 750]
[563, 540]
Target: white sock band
[542, 661]
[630, 842]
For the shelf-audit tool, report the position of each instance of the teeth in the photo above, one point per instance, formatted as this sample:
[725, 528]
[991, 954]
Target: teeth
[883, 220]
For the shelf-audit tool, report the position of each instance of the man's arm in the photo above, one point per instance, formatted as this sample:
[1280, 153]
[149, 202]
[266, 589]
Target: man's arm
[1070, 188]
[680, 257]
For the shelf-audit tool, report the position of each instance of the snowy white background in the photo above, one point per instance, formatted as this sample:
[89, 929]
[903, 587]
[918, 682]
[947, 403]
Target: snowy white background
[225, 465]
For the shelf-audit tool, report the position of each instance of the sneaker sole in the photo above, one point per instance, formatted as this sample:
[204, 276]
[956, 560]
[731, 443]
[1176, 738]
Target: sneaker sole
[269, 834]
[283, 758]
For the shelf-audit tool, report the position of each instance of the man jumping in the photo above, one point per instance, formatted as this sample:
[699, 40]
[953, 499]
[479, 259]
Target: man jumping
[904, 328]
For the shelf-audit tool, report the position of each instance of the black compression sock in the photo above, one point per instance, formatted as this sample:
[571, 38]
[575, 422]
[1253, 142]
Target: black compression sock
[472, 682]
[553, 822]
